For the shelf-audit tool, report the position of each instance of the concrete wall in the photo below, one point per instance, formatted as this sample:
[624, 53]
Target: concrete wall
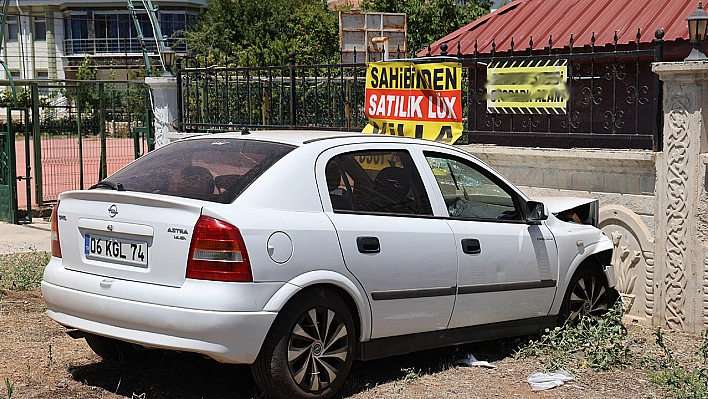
[623, 181]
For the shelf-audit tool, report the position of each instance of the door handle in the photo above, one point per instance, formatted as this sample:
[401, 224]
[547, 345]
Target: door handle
[471, 246]
[367, 245]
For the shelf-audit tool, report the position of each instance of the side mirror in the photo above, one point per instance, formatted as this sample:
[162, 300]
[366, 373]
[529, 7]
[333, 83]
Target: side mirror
[536, 212]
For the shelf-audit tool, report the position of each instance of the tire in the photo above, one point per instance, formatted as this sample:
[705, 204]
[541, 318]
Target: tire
[112, 350]
[587, 294]
[309, 350]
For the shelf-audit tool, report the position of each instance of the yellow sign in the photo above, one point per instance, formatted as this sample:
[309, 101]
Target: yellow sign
[414, 100]
[527, 87]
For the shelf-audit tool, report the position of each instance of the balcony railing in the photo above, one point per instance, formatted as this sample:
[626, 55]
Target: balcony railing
[116, 45]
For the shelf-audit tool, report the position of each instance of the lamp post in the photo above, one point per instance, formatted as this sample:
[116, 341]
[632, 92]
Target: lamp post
[697, 23]
[168, 59]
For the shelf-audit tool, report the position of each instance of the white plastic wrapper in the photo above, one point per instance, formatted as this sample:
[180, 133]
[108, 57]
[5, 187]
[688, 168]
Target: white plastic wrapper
[543, 381]
[472, 361]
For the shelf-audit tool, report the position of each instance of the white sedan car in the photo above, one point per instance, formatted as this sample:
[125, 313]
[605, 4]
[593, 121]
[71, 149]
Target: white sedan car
[298, 252]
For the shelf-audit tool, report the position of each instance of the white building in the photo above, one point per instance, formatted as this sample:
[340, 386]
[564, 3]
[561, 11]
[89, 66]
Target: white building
[51, 38]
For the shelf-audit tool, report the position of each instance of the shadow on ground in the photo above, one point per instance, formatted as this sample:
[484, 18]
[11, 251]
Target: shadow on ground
[184, 375]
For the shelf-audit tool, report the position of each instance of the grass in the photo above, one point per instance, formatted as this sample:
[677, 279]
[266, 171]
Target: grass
[677, 381]
[585, 343]
[9, 387]
[602, 345]
[22, 271]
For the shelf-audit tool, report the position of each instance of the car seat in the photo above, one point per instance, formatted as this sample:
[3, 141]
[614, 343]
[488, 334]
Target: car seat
[391, 187]
[197, 182]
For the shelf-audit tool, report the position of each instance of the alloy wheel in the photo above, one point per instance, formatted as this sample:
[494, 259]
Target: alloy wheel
[318, 348]
[589, 296]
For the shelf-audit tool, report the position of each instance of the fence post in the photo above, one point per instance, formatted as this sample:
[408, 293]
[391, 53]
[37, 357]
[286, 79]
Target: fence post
[78, 132]
[37, 144]
[658, 139]
[180, 104]
[12, 212]
[103, 169]
[164, 91]
[28, 164]
[292, 89]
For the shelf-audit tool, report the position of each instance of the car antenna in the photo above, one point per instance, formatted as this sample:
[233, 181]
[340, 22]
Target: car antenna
[245, 131]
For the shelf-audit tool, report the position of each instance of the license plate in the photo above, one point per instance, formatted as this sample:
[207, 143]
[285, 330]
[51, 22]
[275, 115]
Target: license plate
[116, 249]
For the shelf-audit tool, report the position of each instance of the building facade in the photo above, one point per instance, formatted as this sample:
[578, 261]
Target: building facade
[47, 39]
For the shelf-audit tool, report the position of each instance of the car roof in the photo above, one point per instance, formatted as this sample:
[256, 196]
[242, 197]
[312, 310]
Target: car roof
[303, 137]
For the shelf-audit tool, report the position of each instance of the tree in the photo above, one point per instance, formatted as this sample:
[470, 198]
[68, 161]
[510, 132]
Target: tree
[430, 20]
[247, 32]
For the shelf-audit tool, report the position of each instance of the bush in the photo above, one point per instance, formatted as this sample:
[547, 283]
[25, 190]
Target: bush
[22, 271]
[599, 344]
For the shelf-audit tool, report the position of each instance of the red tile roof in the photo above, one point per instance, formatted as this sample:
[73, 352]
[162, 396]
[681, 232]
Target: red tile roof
[542, 19]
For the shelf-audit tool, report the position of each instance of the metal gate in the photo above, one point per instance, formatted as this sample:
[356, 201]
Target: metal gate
[8, 173]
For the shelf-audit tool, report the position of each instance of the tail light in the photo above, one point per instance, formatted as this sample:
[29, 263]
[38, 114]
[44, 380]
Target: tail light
[56, 248]
[218, 252]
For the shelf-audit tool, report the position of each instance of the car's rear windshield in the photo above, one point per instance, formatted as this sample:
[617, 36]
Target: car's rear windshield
[216, 170]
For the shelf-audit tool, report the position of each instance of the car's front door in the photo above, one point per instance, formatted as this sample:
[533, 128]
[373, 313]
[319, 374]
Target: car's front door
[404, 259]
[508, 269]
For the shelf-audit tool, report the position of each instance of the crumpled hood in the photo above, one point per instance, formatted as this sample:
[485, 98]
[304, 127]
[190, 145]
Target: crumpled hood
[573, 209]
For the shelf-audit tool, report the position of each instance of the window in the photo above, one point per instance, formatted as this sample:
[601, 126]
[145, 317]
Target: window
[172, 23]
[12, 30]
[42, 75]
[40, 29]
[76, 33]
[112, 30]
[206, 169]
[376, 181]
[76, 27]
[470, 193]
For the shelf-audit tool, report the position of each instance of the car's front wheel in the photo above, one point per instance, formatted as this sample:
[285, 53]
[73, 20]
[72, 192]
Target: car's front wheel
[309, 349]
[588, 294]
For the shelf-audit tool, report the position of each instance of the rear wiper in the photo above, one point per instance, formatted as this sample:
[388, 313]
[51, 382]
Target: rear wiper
[108, 184]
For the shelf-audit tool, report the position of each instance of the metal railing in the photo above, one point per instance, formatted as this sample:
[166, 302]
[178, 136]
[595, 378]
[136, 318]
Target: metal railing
[86, 131]
[614, 98]
[116, 46]
[326, 96]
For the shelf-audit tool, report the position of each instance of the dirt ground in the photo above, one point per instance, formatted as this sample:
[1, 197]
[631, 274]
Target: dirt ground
[43, 362]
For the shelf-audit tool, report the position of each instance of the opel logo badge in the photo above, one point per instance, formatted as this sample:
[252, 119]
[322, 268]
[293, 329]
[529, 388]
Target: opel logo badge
[113, 211]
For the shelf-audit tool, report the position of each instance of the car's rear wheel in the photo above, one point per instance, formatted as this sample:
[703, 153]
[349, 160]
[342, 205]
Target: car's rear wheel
[111, 349]
[309, 349]
[588, 294]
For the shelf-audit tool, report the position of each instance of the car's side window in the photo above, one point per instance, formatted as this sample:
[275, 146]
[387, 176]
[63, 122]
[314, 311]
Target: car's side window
[470, 193]
[377, 182]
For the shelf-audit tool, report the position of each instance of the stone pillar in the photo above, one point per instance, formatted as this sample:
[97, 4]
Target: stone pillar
[164, 94]
[681, 268]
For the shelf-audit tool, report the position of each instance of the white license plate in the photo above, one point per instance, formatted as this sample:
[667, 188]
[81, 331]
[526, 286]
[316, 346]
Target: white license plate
[116, 249]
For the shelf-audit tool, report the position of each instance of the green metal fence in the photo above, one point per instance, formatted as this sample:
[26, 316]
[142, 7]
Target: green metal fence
[88, 130]
[72, 135]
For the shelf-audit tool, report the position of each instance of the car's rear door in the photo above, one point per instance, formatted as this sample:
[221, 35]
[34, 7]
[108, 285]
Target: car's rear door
[508, 269]
[403, 257]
